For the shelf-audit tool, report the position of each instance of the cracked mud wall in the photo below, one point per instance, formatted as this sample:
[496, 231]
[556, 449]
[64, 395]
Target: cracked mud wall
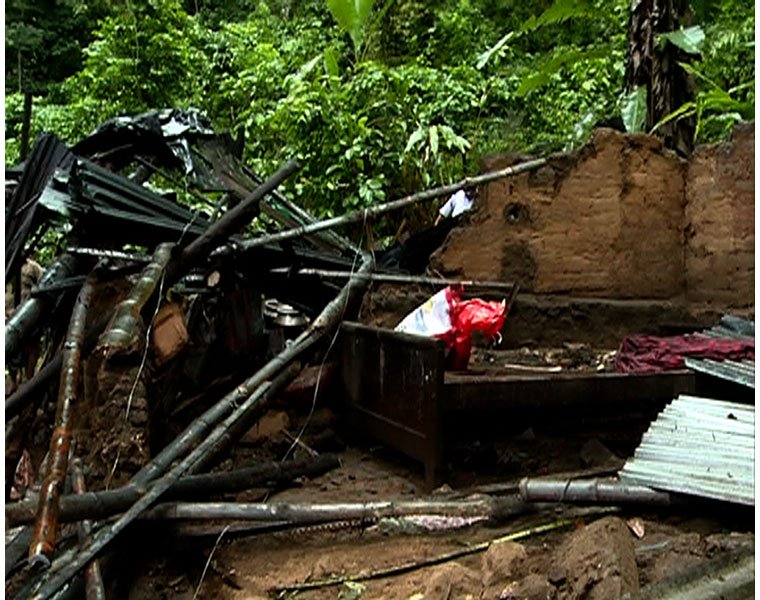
[620, 218]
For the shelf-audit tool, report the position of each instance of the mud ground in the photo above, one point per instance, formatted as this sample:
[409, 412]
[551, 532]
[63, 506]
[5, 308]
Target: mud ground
[596, 554]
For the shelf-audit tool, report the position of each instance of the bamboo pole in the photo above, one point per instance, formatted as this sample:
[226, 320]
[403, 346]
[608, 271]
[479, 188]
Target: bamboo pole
[325, 322]
[123, 330]
[379, 209]
[303, 514]
[236, 431]
[333, 237]
[104, 504]
[23, 321]
[93, 578]
[43, 542]
[37, 385]
[594, 491]
[230, 222]
[398, 278]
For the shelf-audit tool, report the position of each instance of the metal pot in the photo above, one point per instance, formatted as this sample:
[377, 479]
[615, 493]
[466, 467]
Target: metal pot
[270, 308]
[287, 316]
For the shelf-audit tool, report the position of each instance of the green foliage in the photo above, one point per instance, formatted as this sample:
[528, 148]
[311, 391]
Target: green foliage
[715, 109]
[724, 78]
[689, 40]
[413, 96]
[44, 40]
[352, 16]
[634, 110]
[148, 57]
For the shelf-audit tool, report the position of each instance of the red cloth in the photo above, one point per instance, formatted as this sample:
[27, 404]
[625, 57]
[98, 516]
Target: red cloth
[648, 354]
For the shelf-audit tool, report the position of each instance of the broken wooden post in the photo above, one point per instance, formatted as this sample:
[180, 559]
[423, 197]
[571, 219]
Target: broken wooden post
[107, 503]
[93, 579]
[43, 543]
[379, 209]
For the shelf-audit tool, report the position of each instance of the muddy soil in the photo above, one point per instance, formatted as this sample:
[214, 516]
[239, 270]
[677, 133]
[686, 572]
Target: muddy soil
[596, 554]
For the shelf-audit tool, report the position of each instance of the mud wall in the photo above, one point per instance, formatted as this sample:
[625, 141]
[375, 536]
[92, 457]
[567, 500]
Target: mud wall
[620, 218]
[720, 222]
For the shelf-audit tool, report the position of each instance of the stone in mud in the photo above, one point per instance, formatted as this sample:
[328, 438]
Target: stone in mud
[452, 581]
[600, 562]
[532, 587]
[503, 564]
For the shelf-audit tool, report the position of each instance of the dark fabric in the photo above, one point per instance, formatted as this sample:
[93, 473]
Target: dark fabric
[413, 255]
[646, 354]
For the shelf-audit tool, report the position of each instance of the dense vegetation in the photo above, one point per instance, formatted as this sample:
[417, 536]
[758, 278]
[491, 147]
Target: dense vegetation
[377, 103]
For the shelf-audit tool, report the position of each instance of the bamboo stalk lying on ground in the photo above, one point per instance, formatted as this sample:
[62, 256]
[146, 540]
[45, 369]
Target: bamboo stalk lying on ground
[302, 514]
[327, 321]
[108, 533]
[43, 543]
[104, 504]
[379, 209]
[594, 491]
[93, 579]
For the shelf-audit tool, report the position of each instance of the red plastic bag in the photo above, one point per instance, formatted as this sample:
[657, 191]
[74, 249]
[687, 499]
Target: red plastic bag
[447, 317]
[473, 315]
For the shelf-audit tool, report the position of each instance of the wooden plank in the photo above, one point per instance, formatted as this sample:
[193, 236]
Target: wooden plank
[561, 391]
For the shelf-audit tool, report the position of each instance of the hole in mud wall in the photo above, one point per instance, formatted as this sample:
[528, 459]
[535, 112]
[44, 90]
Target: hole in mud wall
[516, 213]
[518, 264]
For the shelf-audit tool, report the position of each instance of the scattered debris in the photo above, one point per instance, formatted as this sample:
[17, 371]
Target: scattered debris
[160, 336]
[636, 526]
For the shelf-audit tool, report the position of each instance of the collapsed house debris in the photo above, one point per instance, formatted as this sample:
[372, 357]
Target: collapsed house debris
[162, 337]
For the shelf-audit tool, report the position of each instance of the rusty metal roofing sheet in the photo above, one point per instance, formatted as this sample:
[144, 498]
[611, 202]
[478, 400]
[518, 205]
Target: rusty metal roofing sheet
[701, 447]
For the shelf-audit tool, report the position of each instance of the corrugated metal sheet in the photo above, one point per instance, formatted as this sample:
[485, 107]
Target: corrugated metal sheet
[742, 372]
[698, 446]
[731, 370]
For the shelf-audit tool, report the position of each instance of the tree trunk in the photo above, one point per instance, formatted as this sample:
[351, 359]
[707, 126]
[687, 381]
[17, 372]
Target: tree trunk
[667, 84]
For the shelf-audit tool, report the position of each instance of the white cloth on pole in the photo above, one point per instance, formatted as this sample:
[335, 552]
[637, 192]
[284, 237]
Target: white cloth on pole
[456, 205]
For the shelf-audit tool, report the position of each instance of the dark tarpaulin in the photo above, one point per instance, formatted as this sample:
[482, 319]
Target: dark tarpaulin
[22, 216]
[647, 354]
